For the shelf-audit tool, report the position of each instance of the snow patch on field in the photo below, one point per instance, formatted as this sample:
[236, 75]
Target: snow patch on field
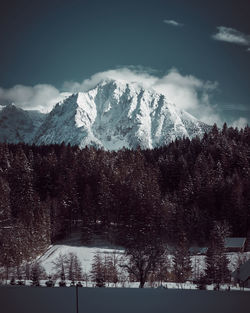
[85, 255]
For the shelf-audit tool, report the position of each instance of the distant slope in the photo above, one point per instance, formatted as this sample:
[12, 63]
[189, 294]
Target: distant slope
[17, 125]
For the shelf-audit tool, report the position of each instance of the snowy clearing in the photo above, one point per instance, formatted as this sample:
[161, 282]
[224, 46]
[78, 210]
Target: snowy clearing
[86, 254]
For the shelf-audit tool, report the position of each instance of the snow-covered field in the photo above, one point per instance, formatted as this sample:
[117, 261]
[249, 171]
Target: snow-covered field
[86, 254]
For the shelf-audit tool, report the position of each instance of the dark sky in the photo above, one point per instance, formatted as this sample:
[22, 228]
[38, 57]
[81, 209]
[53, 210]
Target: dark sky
[55, 41]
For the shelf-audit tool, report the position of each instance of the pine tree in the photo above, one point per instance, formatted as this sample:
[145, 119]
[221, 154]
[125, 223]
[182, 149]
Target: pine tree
[77, 268]
[73, 267]
[87, 206]
[98, 270]
[59, 265]
[27, 271]
[216, 261]
[161, 271]
[112, 274]
[181, 260]
[70, 267]
[37, 273]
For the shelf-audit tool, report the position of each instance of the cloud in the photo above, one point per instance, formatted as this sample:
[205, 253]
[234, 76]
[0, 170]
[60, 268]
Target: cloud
[231, 35]
[124, 74]
[240, 122]
[248, 49]
[173, 23]
[40, 97]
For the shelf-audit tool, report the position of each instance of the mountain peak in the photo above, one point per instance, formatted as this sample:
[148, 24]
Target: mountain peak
[116, 114]
[112, 115]
[113, 84]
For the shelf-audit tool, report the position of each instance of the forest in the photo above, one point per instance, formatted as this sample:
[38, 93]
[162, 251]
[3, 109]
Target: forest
[49, 191]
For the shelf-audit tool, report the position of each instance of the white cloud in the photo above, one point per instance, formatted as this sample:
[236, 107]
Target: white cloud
[125, 74]
[231, 35]
[40, 97]
[248, 49]
[172, 23]
[240, 122]
[186, 91]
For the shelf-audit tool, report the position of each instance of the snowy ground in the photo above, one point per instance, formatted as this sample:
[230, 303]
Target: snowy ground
[86, 254]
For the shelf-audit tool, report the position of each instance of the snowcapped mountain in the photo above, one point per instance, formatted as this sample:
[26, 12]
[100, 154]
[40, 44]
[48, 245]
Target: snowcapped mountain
[17, 125]
[113, 115]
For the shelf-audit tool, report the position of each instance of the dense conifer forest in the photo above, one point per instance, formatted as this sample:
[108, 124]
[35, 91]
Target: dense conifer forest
[48, 192]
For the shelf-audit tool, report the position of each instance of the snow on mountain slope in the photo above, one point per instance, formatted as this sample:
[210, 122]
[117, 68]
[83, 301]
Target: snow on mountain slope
[114, 115]
[17, 125]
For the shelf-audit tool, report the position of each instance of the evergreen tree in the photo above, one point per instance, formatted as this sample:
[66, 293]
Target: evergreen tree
[162, 270]
[73, 267]
[27, 271]
[77, 268]
[70, 267]
[48, 191]
[216, 261]
[37, 273]
[98, 270]
[112, 273]
[59, 266]
[181, 260]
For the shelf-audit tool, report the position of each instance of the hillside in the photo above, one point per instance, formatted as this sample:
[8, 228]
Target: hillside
[48, 192]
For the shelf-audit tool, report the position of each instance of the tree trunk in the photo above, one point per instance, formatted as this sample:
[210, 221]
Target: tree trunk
[142, 283]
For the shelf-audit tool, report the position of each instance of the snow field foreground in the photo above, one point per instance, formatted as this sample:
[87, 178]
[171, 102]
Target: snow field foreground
[86, 255]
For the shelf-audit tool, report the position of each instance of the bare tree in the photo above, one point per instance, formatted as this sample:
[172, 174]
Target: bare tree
[142, 259]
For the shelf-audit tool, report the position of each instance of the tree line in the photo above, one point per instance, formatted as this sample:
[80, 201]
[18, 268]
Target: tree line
[126, 267]
[125, 196]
